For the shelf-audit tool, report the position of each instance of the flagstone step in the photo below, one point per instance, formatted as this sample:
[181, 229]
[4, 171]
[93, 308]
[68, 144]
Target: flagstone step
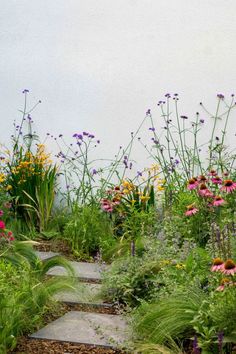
[96, 329]
[46, 255]
[84, 294]
[83, 271]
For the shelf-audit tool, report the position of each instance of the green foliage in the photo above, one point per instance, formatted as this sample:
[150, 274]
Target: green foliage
[25, 292]
[89, 231]
[169, 319]
[130, 280]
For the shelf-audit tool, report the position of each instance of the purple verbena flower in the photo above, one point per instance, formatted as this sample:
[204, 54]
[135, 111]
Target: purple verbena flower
[220, 96]
[184, 117]
[91, 136]
[202, 121]
[196, 349]
[152, 129]
[25, 91]
[220, 341]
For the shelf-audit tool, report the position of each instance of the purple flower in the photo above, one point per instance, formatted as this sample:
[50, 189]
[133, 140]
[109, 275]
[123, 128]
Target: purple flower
[98, 141]
[156, 142]
[91, 136]
[94, 172]
[152, 129]
[202, 121]
[184, 117]
[220, 96]
[130, 165]
[196, 349]
[25, 91]
[75, 135]
[167, 95]
[148, 112]
[220, 341]
[85, 133]
[139, 174]
[60, 135]
[177, 161]
[29, 117]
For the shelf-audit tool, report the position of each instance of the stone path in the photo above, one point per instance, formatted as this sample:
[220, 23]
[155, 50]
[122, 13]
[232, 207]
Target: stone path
[84, 271]
[97, 329]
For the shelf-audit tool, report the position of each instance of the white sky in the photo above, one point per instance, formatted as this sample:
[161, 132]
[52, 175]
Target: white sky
[98, 65]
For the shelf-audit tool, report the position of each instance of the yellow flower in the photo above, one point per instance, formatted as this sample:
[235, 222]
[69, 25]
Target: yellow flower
[165, 262]
[126, 191]
[160, 188]
[144, 198]
[2, 177]
[180, 266]
[8, 187]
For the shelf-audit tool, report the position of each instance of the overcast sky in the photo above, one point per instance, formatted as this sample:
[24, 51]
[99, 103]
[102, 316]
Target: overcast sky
[98, 65]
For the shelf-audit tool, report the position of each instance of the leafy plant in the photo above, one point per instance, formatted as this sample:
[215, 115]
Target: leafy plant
[25, 291]
[130, 280]
[89, 231]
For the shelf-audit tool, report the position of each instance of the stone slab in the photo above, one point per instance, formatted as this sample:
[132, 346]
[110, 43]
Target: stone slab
[86, 328]
[84, 271]
[46, 255]
[84, 293]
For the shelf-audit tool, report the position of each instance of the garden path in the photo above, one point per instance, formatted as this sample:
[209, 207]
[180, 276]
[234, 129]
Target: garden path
[92, 328]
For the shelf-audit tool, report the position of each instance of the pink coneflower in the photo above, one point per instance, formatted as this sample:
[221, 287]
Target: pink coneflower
[106, 205]
[229, 186]
[212, 173]
[229, 267]
[217, 264]
[204, 191]
[192, 183]
[191, 210]
[216, 180]
[218, 201]
[116, 201]
[223, 283]
[202, 179]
